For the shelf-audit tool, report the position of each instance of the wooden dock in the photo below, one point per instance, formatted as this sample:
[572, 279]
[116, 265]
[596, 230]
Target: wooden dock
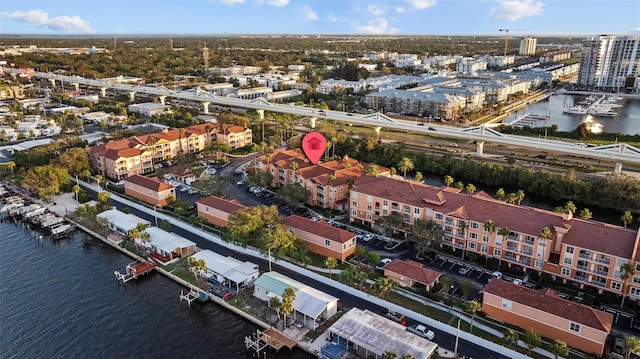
[135, 270]
[192, 295]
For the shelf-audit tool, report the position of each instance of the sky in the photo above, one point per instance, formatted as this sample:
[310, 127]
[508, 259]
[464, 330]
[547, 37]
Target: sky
[351, 17]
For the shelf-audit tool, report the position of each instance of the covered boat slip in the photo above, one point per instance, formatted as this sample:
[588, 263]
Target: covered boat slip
[367, 333]
[122, 222]
[228, 269]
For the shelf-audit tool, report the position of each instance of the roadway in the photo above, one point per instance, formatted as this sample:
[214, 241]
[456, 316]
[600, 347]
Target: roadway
[619, 153]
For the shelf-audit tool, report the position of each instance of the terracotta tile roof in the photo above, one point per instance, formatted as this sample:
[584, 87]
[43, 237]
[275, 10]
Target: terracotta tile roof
[413, 270]
[319, 228]
[152, 183]
[221, 204]
[234, 129]
[551, 303]
[480, 207]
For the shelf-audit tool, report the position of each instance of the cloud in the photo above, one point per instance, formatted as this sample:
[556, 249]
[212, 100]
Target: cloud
[309, 14]
[39, 18]
[376, 10]
[375, 27]
[276, 3]
[400, 9]
[229, 2]
[512, 10]
[421, 4]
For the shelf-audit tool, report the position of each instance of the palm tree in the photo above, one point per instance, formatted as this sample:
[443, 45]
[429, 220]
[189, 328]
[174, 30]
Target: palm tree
[389, 354]
[293, 166]
[585, 214]
[459, 185]
[470, 188]
[448, 180]
[626, 272]
[76, 190]
[631, 344]
[489, 226]
[519, 196]
[532, 339]
[626, 218]
[511, 337]
[405, 164]
[374, 171]
[419, 177]
[288, 298]
[500, 194]
[330, 263]
[275, 304]
[570, 206]
[11, 166]
[99, 179]
[393, 171]
[559, 348]
[326, 152]
[473, 307]
[462, 226]
[385, 285]
[511, 199]
[181, 134]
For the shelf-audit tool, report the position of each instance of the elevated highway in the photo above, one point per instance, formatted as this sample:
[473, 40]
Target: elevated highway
[618, 153]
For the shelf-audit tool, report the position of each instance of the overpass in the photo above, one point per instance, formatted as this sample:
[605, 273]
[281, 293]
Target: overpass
[619, 153]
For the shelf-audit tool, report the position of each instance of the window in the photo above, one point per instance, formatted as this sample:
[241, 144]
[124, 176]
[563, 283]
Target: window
[566, 271]
[485, 238]
[472, 245]
[497, 252]
[569, 249]
[473, 236]
[568, 260]
[635, 292]
[474, 225]
[206, 209]
[438, 215]
[506, 303]
[416, 210]
[327, 243]
[484, 249]
[385, 203]
[354, 212]
[354, 204]
[574, 327]
[369, 216]
[539, 263]
[369, 207]
[385, 212]
[369, 199]
[616, 285]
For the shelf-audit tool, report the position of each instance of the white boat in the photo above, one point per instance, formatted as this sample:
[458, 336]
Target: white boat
[579, 110]
[11, 206]
[51, 222]
[60, 229]
[35, 212]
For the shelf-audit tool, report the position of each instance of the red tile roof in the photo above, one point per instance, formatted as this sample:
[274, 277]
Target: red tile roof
[546, 302]
[480, 207]
[152, 183]
[221, 204]
[319, 228]
[413, 270]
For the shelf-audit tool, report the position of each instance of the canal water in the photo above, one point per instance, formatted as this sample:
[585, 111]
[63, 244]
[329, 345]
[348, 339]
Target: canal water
[60, 299]
[627, 121]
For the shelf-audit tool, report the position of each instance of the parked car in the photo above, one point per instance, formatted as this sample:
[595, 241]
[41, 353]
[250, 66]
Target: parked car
[422, 331]
[367, 237]
[517, 281]
[383, 262]
[497, 274]
[464, 270]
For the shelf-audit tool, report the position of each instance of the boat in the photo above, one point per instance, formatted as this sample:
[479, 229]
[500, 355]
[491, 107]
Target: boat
[50, 222]
[578, 110]
[35, 212]
[60, 229]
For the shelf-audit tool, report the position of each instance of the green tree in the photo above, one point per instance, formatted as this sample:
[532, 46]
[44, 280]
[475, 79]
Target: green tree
[447, 283]
[489, 226]
[559, 348]
[473, 307]
[374, 171]
[626, 218]
[373, 258]
[459, 185]
[532, 339]
[293, 194]
[99, 180]
[248, 225]
[46, 180]
[585, 214]
[511, 338]
[448, 180]
[500, 194]
[390, 223]
[196, 266]
[467, 288]
[470, 188]
[426, 233]
[330, 263]
[419, 177]
[276, 304]
[360, 252]
[626, 272]
[405, 164]
[389, 354]
[76, 190]
[384, 286]
[519, 196]
[76, 161]
[631, 344]
[164, 224]
[293, 166]
[212, 185]
[570, 206]
[288, 298]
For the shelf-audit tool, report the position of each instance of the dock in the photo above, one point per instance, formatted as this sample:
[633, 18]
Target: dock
[269, 338]
[135, 270]
[528, 119]
[192, 295]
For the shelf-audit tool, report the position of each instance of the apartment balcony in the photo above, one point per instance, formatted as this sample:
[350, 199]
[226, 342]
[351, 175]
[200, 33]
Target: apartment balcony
[581, 278]
[512, 248]
[395, 208]
[606, 261]
[599, 283]
[319, 190]
[602, 272]
[525, 261]
[510, 257]
[512, 238]
[527, 252]
[584, 256]
[582, 267]
[529, 242]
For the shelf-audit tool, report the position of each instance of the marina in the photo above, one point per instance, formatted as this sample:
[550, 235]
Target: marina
[603, 106]
[528, 120]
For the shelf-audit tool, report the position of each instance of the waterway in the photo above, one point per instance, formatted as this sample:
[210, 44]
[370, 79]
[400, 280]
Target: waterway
[627, 121]
[60, 299]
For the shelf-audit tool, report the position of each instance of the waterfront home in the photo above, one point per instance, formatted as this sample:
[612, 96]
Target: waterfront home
[217, 210]
[149, 190]
[578, 325]
[167, 246]
[311, 306]
[228, 270]
[321, 238]
[371, 335]
[121, 222]
[409, 273]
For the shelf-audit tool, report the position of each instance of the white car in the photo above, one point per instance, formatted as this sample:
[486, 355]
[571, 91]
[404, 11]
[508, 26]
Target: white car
[367, 237]
[517, 281]
[383, 263]
[497, 274]
[210, 171]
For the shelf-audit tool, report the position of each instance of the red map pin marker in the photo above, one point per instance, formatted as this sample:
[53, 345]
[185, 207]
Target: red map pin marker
[314, 144]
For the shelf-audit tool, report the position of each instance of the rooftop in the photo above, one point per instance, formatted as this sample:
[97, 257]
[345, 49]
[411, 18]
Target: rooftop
[319, 228]
[152, 183]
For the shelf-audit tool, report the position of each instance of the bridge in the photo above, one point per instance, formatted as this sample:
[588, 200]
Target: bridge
[619, 153]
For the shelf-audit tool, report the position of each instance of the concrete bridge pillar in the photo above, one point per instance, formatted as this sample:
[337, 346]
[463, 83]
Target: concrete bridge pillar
[377, 129]
[312, 122]
[618, 168]
[103, 91]
[162, 98]
[260, 114]
[479, 148]
[132, 96]
[205, 105]
[76, 86]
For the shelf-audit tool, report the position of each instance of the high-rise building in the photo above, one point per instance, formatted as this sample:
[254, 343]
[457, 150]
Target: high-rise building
[528, 46]
[609, 61]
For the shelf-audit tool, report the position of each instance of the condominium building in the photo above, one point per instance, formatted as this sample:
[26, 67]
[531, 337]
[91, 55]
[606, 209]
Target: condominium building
[528, 46]
[328, 182]
[585, 252]
[609, 62]
[419, 103]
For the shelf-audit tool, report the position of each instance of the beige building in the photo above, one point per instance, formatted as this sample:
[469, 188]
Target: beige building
[217, 210]
[578, 325]
[409, 273]
[585, 252]
[149, 190]
[321, 238]
[235, 137]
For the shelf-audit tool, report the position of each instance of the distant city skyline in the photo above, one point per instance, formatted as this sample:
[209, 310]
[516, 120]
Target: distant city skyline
[349, 17]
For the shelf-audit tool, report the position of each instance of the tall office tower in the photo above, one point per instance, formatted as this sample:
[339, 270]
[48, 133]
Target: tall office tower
[609, 61]
[205, 54]
[528, 46]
